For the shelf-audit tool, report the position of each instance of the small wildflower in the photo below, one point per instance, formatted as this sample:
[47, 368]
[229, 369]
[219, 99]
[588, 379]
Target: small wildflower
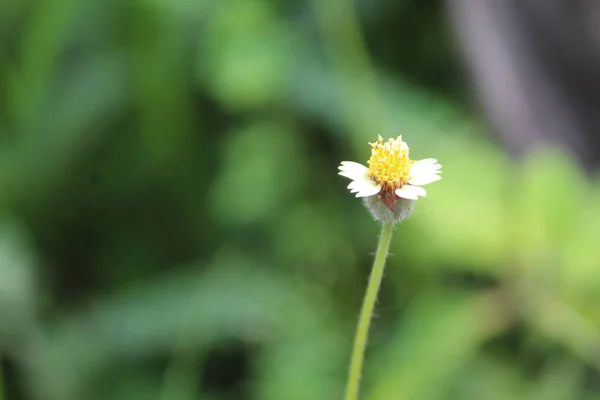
[391, 178]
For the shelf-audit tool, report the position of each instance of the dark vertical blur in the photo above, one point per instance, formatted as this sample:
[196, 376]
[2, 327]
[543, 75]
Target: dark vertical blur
[536, 65]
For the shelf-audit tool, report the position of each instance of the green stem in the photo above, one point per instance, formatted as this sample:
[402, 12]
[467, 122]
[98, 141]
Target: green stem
[1, 381]
[366, 313]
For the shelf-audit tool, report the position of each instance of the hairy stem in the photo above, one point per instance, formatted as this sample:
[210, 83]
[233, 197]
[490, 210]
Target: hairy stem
[366, 313]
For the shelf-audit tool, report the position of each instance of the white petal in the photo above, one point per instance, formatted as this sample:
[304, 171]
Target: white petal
[430, 168]
[352, 164]
[421, 173]
[349, 166]
[357, 186]
[424, 179]
[361, 185]
[349, 175]
[424, 171]
[369, 191]
[354, 189]
[354, 174]
[409, 190]
[406, 193]
[417, 189]
[353, 184]
[353, 170]
[362, 181]
[426, 163]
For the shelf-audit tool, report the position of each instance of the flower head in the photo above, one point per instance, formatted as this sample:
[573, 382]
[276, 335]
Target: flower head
[391, 174]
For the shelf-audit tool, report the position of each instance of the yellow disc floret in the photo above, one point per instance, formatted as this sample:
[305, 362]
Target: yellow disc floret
[389, 164]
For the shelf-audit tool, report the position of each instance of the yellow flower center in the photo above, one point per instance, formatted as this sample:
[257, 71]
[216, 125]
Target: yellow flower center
[389, 164]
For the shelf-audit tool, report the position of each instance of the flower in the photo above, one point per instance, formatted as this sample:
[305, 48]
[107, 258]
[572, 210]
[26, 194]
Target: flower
[391, 174]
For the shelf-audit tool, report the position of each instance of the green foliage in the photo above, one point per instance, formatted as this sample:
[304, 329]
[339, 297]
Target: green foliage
[172, 225]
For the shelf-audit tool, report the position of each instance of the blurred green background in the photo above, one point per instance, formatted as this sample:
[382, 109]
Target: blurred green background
[172, 226]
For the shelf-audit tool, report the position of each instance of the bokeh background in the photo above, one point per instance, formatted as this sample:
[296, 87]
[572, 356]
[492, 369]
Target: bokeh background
[172, 226]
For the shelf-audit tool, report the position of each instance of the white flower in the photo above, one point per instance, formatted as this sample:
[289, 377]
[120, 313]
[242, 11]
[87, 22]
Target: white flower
[391, 172]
